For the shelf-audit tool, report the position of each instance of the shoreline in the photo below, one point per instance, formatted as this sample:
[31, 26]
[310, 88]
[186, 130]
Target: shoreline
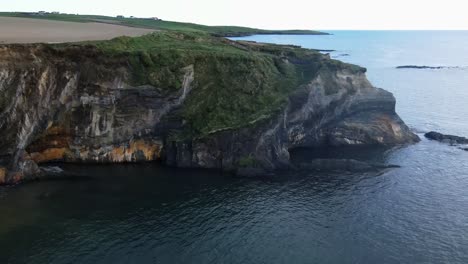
[158, 24]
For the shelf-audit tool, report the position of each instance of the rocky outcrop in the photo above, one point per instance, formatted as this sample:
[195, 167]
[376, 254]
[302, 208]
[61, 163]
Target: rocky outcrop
[449, 139]
[78, 104]
[424, 67]
[69, 106]
[353, 113]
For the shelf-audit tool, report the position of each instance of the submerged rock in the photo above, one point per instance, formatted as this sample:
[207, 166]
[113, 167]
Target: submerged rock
[52, 170]
[348, 165]
[449, 139]
[341, 55]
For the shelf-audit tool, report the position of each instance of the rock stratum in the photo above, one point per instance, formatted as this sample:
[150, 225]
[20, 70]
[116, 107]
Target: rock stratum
[186, 100]
[452, 140]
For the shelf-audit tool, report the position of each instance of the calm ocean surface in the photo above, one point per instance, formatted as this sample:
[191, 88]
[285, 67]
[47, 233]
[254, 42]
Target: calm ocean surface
[149, 214]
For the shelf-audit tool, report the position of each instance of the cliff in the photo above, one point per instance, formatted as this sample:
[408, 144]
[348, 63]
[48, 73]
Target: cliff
[185, 99]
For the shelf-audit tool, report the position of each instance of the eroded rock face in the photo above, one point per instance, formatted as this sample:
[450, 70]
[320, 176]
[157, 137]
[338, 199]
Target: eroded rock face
[3, 173]
[352, 113]
[337, 108]
[75, 105]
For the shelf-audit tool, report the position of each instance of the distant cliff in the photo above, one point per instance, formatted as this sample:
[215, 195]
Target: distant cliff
[187, 100]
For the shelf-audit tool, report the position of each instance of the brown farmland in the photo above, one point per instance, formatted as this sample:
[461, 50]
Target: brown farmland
[26, 30]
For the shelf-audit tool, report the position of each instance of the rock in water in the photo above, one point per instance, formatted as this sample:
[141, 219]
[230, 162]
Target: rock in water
[52, 170]
[109, 102]
[419, 67]
[449, 139]
[427, 67]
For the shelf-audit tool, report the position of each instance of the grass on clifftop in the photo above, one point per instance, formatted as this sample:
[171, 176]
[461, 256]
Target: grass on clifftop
[158, 59]
[226, 31]
[236, 83]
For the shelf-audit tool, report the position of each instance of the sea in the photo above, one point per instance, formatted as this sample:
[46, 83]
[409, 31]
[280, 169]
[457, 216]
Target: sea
[146, 213]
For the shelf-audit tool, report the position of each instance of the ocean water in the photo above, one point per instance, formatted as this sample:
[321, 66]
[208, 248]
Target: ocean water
[150, 214]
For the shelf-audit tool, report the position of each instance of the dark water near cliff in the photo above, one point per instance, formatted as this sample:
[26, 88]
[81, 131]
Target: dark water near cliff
[147, 214]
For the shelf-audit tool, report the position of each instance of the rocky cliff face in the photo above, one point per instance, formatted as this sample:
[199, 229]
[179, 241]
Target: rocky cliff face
[79, 104]
[355, 114]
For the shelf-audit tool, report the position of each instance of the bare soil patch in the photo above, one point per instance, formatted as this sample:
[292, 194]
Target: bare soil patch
[26, 30]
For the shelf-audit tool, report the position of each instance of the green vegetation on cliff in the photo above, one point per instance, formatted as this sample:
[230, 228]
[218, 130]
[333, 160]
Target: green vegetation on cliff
[236, 83]
[225, 31]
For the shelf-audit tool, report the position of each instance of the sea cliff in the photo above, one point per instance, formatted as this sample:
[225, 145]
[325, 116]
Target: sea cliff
[184, 99]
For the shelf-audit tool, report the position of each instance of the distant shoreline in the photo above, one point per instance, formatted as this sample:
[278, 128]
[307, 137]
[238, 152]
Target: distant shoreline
[158, 24]
[273, 32]
[425, 67]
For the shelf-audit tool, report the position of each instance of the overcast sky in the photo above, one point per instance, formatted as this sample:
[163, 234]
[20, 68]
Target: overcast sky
[289, 14]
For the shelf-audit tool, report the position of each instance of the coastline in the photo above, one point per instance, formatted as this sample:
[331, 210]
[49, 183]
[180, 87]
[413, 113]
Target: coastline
[218, 31]
[155, 82]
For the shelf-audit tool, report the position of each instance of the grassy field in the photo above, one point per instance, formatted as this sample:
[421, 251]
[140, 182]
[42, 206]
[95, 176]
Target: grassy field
[225, 31]
[236, 83]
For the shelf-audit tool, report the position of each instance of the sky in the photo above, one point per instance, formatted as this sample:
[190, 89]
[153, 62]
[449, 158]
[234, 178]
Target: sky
[285, 14]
